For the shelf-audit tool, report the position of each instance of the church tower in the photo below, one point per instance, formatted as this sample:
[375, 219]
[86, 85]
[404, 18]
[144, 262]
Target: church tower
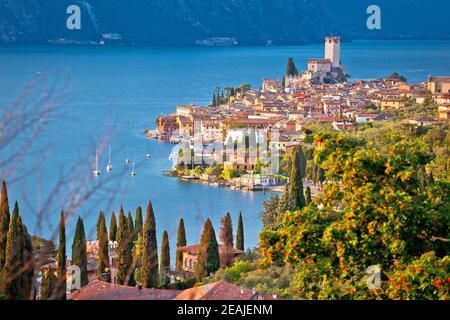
[333, 50]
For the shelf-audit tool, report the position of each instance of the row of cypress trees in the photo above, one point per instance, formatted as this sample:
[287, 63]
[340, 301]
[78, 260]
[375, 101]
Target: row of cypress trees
[210, 258]
[137, 256]
[16, 253]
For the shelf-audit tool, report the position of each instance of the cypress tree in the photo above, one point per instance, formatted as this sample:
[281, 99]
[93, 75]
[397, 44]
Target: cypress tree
[79, 252]
[308, 197]
[139, 223]
[103, 269]
[61, 260]
[150, 254]
[131, 227]
[240, 234]
[291, 69]
[181, 242]
[226, 237]
[208, 259]
[27, 274]
[124, 251]
[113, 228]
[284, 204]
[49, 285]
[165, 258]
[18, 268]
[4, 223]
[296, 195]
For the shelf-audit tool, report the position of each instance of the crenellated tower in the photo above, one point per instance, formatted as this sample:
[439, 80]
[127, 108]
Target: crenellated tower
[333, 50]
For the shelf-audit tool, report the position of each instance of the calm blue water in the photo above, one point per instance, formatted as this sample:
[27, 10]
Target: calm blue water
[122, 90]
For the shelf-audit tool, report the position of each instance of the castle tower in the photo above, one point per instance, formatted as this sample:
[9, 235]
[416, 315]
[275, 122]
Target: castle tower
[333, 50]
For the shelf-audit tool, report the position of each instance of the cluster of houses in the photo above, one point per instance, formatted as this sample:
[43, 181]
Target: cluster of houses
[290, 110]
[102, 290]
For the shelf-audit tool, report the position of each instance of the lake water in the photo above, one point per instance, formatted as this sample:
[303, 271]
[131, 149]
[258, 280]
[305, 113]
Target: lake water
[126, 88]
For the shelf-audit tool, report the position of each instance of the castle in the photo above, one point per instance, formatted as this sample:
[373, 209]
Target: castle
[322, 70]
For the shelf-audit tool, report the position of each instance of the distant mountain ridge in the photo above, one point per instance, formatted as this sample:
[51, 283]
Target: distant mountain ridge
[185, 22]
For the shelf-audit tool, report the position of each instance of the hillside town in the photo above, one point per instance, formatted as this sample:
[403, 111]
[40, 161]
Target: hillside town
[320, 96]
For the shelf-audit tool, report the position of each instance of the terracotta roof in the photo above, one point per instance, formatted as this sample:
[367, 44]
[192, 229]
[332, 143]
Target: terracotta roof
[99, 290]
[217, 291]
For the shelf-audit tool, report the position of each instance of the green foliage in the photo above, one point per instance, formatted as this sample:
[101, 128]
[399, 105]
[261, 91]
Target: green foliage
[4, 223]
[139, 223]
[61, 260]
[269, 216]
[427, 277]
[398, 76]
[165, 258]
[240, 234]
[208, 259]
[124, 251]
[18, 271]
[48, 286]
[113, 228]
[298, 172]
[103, 268]
[308, 196]
[229, 173]
[375, 210]
[181, 242]
[79, 252]
[150, 251]
[291, 69]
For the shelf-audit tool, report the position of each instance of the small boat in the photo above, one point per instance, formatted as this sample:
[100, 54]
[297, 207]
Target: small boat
[133, 173]
[149, 155]
[128, 161]
[109, 166]
[96, 172]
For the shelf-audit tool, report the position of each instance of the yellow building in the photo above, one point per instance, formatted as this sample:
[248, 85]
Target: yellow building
[392, 103]
[190, 256]
[438, 84]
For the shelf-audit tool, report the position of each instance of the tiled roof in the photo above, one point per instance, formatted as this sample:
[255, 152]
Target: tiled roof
[217, 291]
[99, 290]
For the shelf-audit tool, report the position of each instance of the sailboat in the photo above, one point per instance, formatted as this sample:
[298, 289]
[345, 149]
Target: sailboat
[96, 172]
[109, 166]
[133, 173]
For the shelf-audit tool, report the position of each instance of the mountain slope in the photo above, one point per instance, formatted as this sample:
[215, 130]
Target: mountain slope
[182, 22]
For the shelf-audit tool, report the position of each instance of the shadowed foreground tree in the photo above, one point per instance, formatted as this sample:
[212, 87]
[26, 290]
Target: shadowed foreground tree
[79, 252]
[165, 258]
[61, 286]
[150, 251]
[18, 271]
[296, 193]
[226, 237]
[181, 242]
[4, 224]
[308, 197]
[113, 228]
[208, 259]
[240, 234]
[139, 223]
[49, 285]
[124, 250]
[103, 268]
